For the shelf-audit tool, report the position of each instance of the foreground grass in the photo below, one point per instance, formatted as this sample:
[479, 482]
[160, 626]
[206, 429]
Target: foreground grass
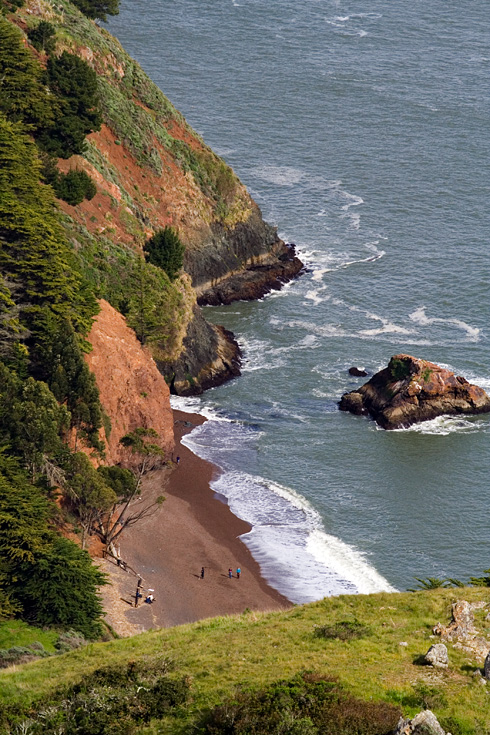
[255, 649]
[18, 633]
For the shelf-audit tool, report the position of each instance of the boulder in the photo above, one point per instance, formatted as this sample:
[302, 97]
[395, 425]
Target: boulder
[357, 372]
[437, 656]
[410, 390]
[486, 667]
[461, 631]
[425, 723]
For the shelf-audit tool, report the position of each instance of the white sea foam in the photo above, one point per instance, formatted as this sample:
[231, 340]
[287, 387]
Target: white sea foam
[279, 175]
[287, 538]
[314, 295]
[194, 404]
[420, 317]
[288, 541]
[347, 562]
[444, 425]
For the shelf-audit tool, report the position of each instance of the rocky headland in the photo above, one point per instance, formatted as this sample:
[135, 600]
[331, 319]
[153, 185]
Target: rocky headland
[411, 390]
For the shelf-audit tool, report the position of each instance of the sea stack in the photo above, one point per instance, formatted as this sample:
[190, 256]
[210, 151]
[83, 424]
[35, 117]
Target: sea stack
[410, 390]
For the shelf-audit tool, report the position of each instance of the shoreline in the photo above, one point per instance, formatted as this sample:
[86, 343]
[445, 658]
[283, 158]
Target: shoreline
[192, 529]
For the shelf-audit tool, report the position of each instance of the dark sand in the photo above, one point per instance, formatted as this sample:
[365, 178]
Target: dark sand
[192, 529]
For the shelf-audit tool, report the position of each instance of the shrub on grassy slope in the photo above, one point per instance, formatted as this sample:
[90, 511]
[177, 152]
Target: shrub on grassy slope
[308, 704]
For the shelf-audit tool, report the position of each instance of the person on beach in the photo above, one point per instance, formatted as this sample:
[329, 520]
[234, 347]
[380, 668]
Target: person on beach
[202, 572]
[230, 572]
[238, 572]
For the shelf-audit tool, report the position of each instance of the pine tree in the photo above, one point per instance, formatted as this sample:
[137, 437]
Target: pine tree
[23, 96]
[165, 250]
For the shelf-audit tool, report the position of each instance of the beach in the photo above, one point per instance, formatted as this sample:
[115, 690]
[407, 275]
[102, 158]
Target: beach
[192, 529]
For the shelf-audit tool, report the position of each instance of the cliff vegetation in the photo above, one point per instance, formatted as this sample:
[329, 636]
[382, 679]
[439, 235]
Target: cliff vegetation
[349, 665]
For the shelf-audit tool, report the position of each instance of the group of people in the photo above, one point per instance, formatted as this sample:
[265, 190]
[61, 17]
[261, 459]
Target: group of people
[230, 573]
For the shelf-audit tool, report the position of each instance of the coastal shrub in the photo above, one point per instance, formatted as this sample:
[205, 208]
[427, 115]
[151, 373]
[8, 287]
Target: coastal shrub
[307, 704]
[165, 250]
[345, 630]
[400, 369]
[113, 700]
[74, 186]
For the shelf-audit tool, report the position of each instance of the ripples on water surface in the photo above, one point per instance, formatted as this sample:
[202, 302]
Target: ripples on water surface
[364, 137]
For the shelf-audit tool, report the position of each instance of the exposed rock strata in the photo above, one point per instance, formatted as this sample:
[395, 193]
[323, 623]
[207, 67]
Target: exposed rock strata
[242, 263]
[425, 723]
[410, 390]
[210, 356]
[461, 631]
[132, 390]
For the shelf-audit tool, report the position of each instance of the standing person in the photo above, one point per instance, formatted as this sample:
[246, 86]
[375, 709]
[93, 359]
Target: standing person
[238, 572]
[230, 572]
[202, 572]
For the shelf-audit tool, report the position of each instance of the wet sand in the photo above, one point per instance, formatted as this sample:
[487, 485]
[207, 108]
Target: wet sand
[192, 529]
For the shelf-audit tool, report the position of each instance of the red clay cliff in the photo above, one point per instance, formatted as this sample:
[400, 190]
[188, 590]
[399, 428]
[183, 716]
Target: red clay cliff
[133, 392]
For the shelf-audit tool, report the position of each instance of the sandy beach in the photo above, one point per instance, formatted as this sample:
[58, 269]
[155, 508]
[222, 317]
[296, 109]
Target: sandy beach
[192, 529]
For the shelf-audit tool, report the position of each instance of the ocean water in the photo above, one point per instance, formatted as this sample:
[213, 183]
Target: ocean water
[362, 132]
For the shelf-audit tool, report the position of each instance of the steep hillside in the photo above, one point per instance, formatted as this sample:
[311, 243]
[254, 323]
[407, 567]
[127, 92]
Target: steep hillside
[152, 170]
[370, 649]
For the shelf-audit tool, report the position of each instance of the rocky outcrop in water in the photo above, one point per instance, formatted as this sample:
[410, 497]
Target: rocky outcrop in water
[410, 390]
[210, 356]
[241, 264]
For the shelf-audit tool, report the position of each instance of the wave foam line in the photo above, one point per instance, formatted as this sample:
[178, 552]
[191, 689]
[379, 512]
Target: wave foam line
[420, 317]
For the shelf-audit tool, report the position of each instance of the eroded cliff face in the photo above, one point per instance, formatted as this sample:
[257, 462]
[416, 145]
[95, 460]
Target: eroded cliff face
[152, 170]
[133, 392]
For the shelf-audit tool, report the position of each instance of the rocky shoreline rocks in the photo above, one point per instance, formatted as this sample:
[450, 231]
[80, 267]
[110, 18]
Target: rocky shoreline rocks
[411, 390]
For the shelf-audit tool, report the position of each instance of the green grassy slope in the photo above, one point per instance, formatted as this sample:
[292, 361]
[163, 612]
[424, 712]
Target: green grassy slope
[256, 649]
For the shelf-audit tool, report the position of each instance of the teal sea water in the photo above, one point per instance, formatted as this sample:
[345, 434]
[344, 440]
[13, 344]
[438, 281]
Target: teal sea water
[362, 130]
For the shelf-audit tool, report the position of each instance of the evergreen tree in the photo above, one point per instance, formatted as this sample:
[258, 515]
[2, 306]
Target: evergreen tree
[60, 588]
[165, 250]
[42, 36]
[49, 580]
[32, 250]
[74, 85]
[98, 8]
[23, 96]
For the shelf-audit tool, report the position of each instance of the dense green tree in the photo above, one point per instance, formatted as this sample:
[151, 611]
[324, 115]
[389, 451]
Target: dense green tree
[23, 96]
[61, 588]
[42, 36]
[74, 186]
[152, 304]
[91, 495]
[74, 85]
[33, 253]
[62, 366]
[38, 424]
[165, 250]
[32, 422]
[98, 8]
[49, 579]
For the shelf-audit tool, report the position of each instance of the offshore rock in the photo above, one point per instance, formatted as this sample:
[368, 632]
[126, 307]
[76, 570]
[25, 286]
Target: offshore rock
[410, 390]
[357, 372]
[210, 356]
